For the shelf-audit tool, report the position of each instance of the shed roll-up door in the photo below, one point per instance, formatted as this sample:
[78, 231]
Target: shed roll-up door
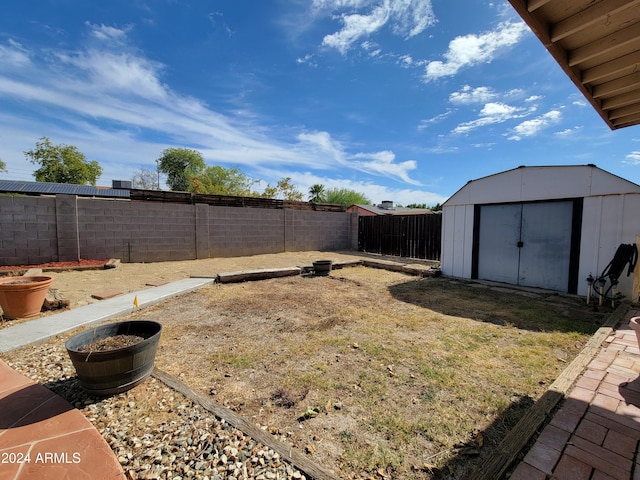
[528, 244]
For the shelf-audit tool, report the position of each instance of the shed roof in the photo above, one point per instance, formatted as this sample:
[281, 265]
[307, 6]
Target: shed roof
[527, 184]
[49, 188]
[597, 44]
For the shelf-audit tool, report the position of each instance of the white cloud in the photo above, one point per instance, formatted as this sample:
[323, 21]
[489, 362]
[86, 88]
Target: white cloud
[406, 18]
[491, 113]
[430, 121]
[568, 132]
[632, 158]
[14, 55]
[469, 95]
[377, 163]
[383, 163]
[118, 95]
[470, 50]
[107, 33]
[532, 127]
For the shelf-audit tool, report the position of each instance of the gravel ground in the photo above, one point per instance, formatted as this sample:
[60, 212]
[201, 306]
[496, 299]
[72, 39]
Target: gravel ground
[185, 442]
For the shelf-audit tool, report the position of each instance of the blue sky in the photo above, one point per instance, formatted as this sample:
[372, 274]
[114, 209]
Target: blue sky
[402, 100]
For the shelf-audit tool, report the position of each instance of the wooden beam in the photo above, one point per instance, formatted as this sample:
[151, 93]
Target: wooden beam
[624, 111]
[590, 16]
[605, 45]
[617, 86]
[287, 452]
[630, 62]
[536, 4]
[619, 101]
[627, 120]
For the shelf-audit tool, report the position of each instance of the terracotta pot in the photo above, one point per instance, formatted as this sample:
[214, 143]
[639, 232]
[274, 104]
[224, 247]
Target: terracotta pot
[634, 323]
[22, 297]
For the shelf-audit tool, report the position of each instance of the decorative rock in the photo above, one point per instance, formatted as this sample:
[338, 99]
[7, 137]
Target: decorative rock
[189, 442]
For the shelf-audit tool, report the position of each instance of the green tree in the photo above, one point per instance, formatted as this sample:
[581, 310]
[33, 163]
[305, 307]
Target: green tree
[417, 205]
[316, 193]
[146, 179]
[62, 164]
[218, 180]
[180, 164]
[345, 197]
[436, 208]
[283, 189]
[3, 166]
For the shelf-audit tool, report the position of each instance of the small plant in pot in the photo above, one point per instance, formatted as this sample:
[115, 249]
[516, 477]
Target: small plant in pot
[116, 357]
[22, 297]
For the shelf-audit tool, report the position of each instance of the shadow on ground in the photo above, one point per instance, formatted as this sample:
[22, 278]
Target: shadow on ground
[501, 305]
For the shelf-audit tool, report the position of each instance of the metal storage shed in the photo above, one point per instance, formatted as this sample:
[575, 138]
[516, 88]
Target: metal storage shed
[547, 227]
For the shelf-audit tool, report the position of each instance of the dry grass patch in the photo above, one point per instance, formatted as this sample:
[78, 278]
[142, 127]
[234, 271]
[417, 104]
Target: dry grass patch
[374, 372]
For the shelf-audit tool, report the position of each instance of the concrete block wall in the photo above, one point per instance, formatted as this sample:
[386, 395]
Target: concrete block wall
[136, 231]
[66, 228]
[28, 231]
[310, 230]
[237, 232]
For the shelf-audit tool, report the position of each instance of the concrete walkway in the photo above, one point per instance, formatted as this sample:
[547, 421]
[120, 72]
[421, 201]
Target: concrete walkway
[44, 328]
[596, 433]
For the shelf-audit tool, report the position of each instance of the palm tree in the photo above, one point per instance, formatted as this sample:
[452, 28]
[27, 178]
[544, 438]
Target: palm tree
[316, 193]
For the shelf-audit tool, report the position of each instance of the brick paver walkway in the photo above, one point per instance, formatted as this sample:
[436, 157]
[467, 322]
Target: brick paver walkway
[595, 433]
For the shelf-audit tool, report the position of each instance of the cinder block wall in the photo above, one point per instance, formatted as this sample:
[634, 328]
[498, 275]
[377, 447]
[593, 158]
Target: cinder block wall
[28, 231]
[136, 231]
[236, 232]
[66, 227]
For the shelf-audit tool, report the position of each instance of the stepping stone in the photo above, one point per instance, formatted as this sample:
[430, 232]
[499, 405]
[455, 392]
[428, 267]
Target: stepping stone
[106, 294]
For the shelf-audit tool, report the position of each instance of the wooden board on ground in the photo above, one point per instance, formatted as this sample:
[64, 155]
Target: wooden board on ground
[260, 274]
[103, 295]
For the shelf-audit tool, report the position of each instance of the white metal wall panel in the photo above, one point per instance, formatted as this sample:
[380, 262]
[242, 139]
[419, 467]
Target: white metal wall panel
[457, 241]
[554, 183]
[607, 221]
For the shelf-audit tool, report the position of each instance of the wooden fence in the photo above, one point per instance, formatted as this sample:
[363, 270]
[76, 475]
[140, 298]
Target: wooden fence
[411, 236]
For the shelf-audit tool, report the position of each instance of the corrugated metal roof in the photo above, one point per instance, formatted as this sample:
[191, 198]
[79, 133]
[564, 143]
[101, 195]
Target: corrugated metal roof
[48, 188]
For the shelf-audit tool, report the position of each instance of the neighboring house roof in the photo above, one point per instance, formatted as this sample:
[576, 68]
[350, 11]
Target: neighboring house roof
[393, 210]
[49, 188]
[526, 184]
[597, 44]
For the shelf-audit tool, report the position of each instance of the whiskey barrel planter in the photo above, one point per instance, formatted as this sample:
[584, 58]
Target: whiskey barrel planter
[322, 267]
[22, 297]
[107, 372]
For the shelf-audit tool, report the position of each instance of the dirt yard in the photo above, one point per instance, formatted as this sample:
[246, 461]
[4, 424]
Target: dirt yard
[370, 372]
[373, 374]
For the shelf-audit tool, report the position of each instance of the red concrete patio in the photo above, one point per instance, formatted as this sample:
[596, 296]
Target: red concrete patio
[42, 436]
